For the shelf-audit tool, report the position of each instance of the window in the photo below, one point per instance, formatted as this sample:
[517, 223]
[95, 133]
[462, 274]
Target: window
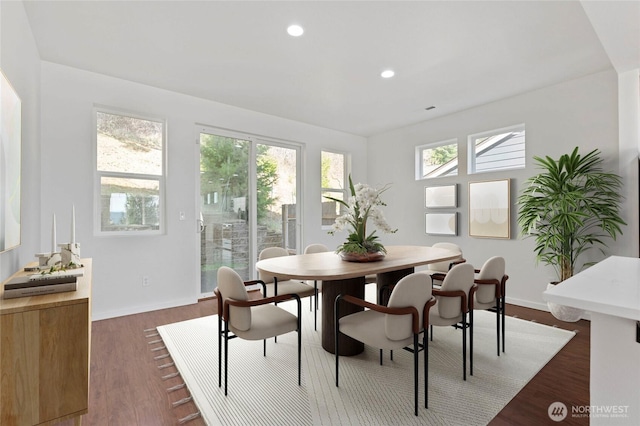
[500, 149]
[130, 173]
[437, 159]
[334, 184]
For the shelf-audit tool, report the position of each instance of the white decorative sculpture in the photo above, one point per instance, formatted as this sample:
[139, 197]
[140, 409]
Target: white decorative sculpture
[48, 260]
[69, 254]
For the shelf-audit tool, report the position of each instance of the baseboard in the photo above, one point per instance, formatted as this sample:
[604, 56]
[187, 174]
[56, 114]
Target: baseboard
[528, 304]
[97, 316]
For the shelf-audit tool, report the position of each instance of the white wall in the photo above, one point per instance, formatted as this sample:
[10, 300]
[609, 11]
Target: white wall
[582, 112]
[629, 128]
[20, 62]
[170, 261]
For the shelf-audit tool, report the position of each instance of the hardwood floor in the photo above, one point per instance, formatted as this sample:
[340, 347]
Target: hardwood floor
[564, 379]
[127, 388]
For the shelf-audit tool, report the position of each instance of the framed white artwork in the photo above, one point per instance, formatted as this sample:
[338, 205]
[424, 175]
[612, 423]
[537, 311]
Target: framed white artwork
[442, 196]
[441, 223]
[489, 209]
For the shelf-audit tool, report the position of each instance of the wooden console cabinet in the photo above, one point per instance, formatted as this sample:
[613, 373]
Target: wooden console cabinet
[45, 348]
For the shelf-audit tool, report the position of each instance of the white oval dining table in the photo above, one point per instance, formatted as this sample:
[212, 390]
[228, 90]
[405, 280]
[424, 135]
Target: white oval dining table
[342, 277]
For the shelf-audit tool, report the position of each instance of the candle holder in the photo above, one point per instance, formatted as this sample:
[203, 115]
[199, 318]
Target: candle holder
[70, 255]
[48, 260]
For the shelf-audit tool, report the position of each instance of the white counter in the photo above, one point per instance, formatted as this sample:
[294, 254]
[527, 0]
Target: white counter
[610, 291]
[610, 287]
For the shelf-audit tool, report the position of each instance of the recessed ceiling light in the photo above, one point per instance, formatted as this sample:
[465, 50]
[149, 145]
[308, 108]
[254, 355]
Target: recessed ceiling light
[387, 74]
[295, 30]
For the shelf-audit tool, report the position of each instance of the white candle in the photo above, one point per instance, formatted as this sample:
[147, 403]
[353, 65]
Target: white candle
[73, 224]
[53, 235]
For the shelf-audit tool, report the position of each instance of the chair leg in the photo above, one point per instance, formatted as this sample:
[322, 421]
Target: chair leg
[264, 347]
[503, 313]
[426, 368]
[415, 373]
[336, 332]
[299, 346]
[226, 355]
[315, 312]
[464, 346]
[219, 351]
[498, 326]
[275, 293]
[381, 353]
[470, 326]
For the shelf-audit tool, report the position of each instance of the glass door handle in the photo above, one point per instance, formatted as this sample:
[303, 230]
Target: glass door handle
[201, 226]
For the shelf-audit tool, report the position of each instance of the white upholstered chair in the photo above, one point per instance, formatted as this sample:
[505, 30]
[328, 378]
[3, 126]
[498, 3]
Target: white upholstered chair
[453, 307]
[250, 319]
[274, 286]
[394, 326]
[316, 248]
[438, 269]
[490, 295]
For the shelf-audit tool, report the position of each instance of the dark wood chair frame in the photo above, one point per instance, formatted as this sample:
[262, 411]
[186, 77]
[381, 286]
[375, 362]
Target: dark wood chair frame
[416, 331]
[439, 276]
[224, 316]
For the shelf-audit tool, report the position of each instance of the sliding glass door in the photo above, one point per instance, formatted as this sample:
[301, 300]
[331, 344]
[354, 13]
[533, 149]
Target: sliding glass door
[248, 201]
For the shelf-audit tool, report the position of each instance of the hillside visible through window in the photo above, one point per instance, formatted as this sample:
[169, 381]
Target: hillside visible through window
[130, 167]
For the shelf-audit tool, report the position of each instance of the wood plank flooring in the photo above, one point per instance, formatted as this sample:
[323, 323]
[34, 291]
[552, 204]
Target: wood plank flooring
[126, 387]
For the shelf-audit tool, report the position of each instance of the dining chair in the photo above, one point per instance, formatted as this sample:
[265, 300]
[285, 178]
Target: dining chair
[491, 281]
[438, 269]
[394, 326]
[316, 248]
[276, 287]
[257, 319]
[454, 307]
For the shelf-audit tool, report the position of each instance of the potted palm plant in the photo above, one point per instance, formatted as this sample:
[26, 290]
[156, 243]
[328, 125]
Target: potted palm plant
[570, 207]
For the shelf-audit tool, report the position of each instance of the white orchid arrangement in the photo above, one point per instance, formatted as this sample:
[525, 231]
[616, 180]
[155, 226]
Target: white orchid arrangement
[363, 204]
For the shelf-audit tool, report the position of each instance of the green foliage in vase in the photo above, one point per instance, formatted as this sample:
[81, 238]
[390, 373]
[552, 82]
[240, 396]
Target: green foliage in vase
[570, 207]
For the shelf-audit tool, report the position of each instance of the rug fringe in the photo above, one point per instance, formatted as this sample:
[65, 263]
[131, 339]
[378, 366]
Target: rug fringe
[182, 401]
[176, 387]
[170, 376]
[189, 418]
[151, 333]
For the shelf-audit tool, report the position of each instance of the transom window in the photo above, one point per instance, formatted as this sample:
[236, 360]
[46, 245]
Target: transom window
[334, 172]
[500, 149]
[130, 173]
[437, 159]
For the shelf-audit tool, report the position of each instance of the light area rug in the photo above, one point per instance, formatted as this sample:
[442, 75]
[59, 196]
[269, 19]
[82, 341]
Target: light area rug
[264, 390]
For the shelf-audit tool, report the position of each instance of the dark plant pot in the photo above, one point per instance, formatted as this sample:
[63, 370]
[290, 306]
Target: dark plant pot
[360, 257]
[564, 313]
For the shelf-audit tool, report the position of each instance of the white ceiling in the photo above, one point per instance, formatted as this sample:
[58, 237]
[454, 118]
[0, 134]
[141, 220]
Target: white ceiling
[450, 54]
